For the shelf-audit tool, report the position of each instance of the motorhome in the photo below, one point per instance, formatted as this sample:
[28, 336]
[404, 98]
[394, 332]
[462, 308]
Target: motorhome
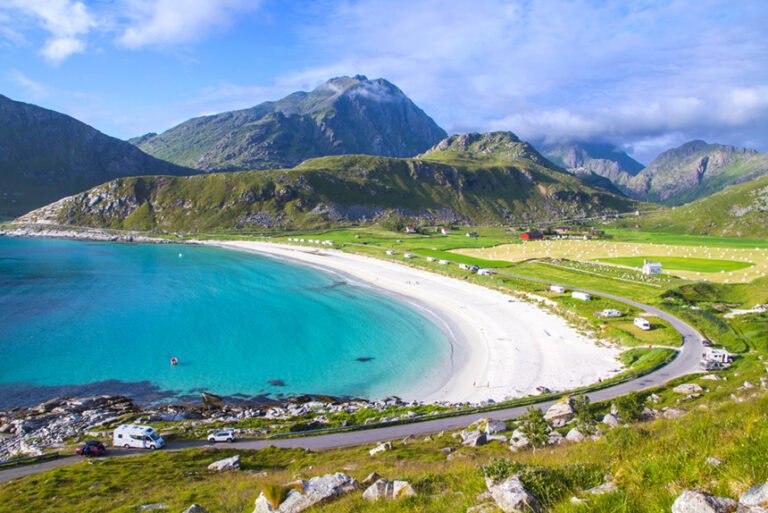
[137, 436]
[641, 323]
[557, 288]
[581, 295]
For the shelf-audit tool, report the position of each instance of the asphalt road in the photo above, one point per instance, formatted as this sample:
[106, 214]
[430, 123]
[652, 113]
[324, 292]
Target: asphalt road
[686, 362]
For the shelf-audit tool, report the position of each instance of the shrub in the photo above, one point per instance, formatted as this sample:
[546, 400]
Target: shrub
[534, 427]
[629, 407]
[275, 494]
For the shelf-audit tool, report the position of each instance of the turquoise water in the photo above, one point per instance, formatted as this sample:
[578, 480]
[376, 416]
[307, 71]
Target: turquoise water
[82, 317]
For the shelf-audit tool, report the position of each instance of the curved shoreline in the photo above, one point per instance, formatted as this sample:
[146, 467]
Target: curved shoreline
[503, 347]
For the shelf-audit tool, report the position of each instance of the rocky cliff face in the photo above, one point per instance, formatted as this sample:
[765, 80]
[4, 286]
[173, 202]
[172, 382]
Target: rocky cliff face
[694, 170]
[584, 159]
[346, 115]
[45, 155]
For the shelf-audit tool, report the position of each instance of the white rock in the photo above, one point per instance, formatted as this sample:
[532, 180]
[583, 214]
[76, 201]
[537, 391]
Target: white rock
[195, 508]
[691, 501]
[314, 491]
[755, 496]
[473, 438]
[384, 489]
[611, 420]
[688, 388]
[574, 435]
[382, 447]
[518, 441]
[603, 489]
[495, 426]
[560, 413]
[226, 464]
[511, 496]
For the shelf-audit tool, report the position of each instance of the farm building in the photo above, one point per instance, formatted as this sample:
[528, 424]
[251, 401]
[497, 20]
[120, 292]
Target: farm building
[445, 231]
[651, 267]
[561, 229]
[410, 229]
[532, 235]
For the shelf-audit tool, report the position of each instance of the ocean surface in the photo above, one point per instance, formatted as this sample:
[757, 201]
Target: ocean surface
[82, 318]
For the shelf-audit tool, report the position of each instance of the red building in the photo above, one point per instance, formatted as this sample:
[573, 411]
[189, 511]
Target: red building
[531, 235]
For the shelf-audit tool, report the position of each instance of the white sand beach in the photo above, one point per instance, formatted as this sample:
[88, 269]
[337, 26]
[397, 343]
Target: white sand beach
[502, 347]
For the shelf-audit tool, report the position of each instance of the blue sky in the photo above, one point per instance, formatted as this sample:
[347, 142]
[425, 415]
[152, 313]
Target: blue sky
[645, 75]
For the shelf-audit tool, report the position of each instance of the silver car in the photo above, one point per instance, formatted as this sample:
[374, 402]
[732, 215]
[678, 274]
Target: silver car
[225, 435]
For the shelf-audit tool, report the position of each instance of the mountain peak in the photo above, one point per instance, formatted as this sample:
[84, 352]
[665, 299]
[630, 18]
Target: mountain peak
[489, 145]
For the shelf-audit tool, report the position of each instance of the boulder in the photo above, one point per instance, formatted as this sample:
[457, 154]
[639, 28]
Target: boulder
[691, 501]
[673, 413]
[611, 420]
[306, 494]
[511, 496]
[488, 507]
[474, 438]
[195, 508]
[574, 435]
[518, 441]
[226, 464]
[384, 489]
[555, 438]
[560, 413]
[371, 478]
[688, 388]
[495, 426]
[382, 447]
[603, 489]
[755, 496]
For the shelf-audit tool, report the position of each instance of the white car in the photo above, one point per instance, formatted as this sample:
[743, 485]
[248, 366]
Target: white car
[225, 435]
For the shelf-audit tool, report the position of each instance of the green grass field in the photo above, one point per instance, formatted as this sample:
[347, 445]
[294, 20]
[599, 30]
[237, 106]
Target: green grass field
[704, 265]
[627, 235]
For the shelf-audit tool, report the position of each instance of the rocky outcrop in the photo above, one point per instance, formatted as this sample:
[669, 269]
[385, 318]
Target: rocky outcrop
[382, 447]
[384, 489]
[511, 496]
[195, 508]
[691, 501]
[474, 438]
[560, 413]
[756, 496]
[305, 494]
[225, 465]
[688, 388]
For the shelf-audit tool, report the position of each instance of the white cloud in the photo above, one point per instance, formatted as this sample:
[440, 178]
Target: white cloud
[32, 88]
[171, 22]
[67, 23]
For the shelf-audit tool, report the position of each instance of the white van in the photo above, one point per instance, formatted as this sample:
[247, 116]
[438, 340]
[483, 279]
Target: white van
[136, 436]
[643, 324]
[581, 295]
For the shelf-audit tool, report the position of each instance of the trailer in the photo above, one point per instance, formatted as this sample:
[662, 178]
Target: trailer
[557, 288]
[584, 296]
[641, 323]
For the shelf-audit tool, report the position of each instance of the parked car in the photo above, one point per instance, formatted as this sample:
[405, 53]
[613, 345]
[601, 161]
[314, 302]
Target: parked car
[225, 435]
[92, 448]
[706, 343]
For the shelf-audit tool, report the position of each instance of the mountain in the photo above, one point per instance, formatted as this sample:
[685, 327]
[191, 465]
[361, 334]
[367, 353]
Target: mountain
[45, 155]
[475, 178]
[694, 170]
[740, 210]
[345, 115]
[582, 158]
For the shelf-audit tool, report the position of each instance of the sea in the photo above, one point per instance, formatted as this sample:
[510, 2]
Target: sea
[80, 318]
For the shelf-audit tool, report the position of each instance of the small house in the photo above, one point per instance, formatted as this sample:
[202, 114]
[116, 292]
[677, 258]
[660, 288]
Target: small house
[641, 323]
[410, 229]
[557, 288]
[651, 267]
[445, 231]
[561, 229]
[532, 235]
[584, 296]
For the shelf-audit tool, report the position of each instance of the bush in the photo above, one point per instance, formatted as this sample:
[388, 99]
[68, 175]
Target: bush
[585, 418]
[629, 407]
[534, 427]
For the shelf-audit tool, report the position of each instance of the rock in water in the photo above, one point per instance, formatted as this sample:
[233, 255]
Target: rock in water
[691, 501]
[226, 464]
[388, 490]
[309, 493]
[511, 496]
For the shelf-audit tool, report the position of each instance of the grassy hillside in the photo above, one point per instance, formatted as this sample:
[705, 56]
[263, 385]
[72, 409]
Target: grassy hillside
[738, 211]
[441, 186]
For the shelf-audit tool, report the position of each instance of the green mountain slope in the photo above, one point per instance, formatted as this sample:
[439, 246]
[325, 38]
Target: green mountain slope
[346, 115]
[739, 211]
[694, 170]
[45, 155]
[492, 178]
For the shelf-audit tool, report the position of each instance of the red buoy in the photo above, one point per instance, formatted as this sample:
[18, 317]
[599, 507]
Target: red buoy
[174, 361]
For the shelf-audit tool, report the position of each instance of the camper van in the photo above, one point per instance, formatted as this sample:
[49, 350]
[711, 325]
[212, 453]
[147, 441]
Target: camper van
[136, 436]
[558, 289]
[643, 324]
[581, 295]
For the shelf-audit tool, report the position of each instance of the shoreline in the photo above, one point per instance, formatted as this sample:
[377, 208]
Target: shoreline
[502, 347]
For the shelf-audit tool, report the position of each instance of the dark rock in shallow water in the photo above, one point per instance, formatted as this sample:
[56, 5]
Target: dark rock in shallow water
[364, 359]
[276, 382]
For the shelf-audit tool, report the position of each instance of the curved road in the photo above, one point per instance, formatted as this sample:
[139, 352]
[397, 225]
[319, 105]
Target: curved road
[686, 362]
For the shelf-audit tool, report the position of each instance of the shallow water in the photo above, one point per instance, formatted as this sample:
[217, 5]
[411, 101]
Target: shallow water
[84, 318]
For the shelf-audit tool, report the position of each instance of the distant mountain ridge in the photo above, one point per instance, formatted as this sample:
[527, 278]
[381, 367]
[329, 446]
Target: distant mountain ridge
[345, 115]
[45, 155]
[475, 178]
[694, 170]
